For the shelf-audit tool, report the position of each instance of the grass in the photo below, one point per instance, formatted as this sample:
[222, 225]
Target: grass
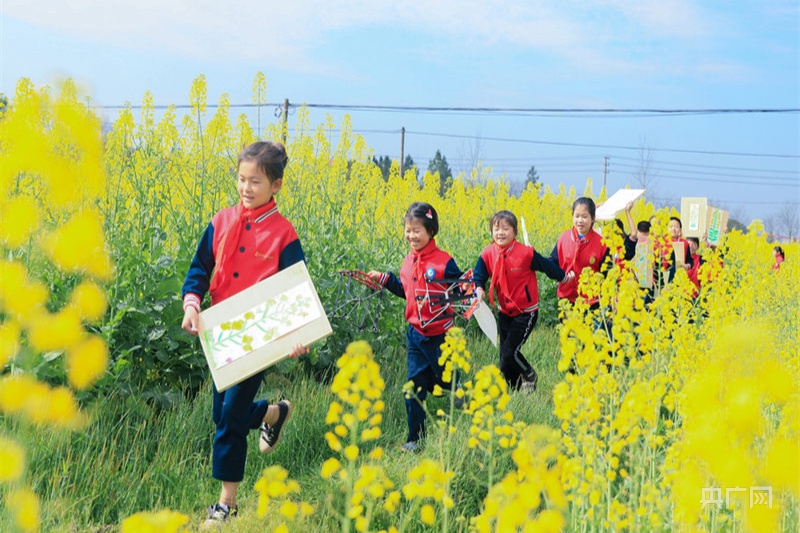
[136, 457]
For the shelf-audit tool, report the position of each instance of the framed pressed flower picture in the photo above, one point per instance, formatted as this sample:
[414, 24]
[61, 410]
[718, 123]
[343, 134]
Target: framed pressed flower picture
[260, 326]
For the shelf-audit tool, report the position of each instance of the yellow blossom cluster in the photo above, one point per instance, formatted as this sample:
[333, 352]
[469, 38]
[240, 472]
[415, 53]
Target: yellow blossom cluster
[274, 488]
[358, 414]
[492, 419]
[164, 521]
[428, 484]
[356, 418]
[530, 498]
[662, 403]
[52, 175]
[455, 356]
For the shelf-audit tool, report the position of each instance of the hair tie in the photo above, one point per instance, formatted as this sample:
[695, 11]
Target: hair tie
[429, 214]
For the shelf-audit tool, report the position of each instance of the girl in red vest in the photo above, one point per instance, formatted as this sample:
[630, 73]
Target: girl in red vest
[426, 326]
[243, 245]
[778, 253]
[512, 267]
[578, 248]
[697, 261]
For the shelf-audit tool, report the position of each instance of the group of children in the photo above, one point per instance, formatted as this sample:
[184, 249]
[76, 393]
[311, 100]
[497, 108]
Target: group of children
[251, 241]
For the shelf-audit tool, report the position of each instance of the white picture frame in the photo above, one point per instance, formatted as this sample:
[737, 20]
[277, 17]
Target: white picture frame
[693, 216]
[261, 325]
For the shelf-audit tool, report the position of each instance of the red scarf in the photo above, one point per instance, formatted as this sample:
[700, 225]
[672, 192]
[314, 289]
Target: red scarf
[230, 240]
[499, 274]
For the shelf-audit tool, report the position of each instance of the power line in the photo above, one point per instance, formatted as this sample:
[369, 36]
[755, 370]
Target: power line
[718, 111]
[740, 169]
[488, 110]
[604, 146]
[795, 180]
[738, 182]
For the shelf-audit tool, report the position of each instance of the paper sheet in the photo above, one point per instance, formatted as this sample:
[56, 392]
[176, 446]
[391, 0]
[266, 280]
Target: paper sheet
[488, 324]
[617, 203]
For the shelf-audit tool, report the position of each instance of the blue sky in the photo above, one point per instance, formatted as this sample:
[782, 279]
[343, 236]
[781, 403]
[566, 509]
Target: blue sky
[530, 54]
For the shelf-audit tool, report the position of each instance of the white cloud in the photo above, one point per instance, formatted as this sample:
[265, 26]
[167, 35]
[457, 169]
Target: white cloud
[287, 34]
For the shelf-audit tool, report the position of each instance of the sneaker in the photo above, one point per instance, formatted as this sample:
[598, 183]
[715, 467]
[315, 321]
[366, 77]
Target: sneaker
[529, 382]
[412, 446]
[220, 513]
[271, 435]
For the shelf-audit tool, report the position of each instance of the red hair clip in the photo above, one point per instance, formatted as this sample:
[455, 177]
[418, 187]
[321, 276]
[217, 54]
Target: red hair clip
[429, 214]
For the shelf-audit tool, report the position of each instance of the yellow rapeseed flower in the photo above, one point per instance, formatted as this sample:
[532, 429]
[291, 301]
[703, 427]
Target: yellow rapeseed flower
[24, 507]
[164, 521]
[86, 362]
[351, 452]
[427, 514]
[330, 467]
[89, 299]
[289, 509]
[9, 341]
[12, 460]
[19, 219]
[79, 245]
[49, 332]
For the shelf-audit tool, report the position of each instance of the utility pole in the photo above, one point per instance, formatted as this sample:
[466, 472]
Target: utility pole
[402, 148]
[285, 119]
[605, 170]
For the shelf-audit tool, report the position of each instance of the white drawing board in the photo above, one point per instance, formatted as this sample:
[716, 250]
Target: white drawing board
[261, 325]
[616, 203]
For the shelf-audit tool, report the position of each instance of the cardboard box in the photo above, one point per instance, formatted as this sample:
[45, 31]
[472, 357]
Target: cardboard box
[717, 224]
[643, 264]
[693, 216]
[680, 253]
[261, 325]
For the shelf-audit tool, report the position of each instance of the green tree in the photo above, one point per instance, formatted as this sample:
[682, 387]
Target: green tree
[533, 176]
[408, 163]
[439, 164]
[384, 163]
[3, 104]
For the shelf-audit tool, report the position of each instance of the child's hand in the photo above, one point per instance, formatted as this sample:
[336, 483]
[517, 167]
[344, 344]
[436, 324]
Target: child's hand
[190, 320]
[375, 276]
[298, 351]
[628, 207]
[568, 278]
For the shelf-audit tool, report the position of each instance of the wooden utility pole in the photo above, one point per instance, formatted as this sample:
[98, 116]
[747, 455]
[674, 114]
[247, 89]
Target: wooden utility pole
[402, 148]
[285, 119]
[605, 170]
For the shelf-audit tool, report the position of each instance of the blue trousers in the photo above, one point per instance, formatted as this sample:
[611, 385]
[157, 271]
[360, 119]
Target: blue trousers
[425, 372]
[235, 414]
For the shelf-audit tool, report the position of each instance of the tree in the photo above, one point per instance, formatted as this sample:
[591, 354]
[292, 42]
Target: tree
[439, 164]
[408, 164]
[644, 175]
[470, 154]
[384, 163]
[3, 104]
[533, 176]
[784, 224]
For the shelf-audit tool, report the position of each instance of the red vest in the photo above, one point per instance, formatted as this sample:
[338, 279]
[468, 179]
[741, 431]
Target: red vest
[693, 274]
[512, 277]
[575, 254]
[412, 276]
[261, 242]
